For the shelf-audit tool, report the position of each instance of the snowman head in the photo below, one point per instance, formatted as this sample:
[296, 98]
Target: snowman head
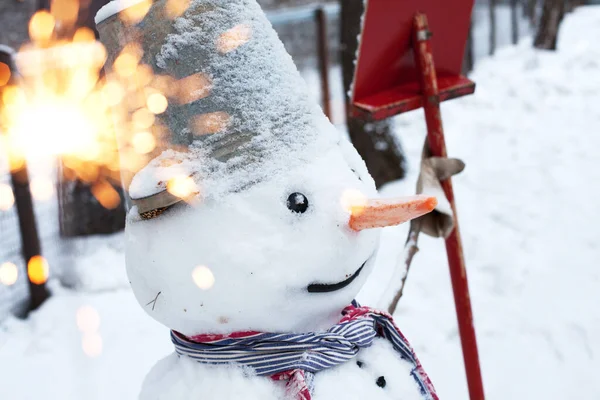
[272, 236]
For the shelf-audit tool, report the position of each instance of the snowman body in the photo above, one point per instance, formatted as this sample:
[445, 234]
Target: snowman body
[265, 242]
[377, 373]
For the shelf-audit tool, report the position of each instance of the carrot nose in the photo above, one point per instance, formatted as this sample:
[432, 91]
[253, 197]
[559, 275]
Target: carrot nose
[379, 213]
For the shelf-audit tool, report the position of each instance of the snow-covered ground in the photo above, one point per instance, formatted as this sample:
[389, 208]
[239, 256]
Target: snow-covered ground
[528, 218]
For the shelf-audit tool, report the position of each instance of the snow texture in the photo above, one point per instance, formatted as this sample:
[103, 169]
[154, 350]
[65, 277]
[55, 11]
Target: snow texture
[529, 232]
[270, 123]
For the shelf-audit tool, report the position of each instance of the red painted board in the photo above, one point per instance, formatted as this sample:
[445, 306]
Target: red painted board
[408, 97]
[385, 59]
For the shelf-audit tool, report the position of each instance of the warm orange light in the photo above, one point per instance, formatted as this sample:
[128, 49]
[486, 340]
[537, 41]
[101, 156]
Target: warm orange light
[175, 8]
[210, 123]
[143, 142]
[9, 273]
[106, 195]
[83, 35]
[203, 277]
[193, 87]
[136, 13]
[41, 26]
[157, 103]
[113, 93]
[142, 118]
[125, 65]
[234, 38]
[41, 188]
[65, 11]
[38, 270]
[7, 198]
[91, 343]
[4, 74]
[353, 201]
[88, 319]
[182, 186]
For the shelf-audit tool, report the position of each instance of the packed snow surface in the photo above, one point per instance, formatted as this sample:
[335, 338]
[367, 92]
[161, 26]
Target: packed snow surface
[529, 230]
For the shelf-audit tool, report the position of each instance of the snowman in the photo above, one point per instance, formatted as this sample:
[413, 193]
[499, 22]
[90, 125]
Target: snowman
[255, 265]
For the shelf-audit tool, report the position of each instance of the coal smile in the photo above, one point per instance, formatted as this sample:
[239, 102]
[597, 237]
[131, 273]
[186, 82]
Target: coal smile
[327, 288]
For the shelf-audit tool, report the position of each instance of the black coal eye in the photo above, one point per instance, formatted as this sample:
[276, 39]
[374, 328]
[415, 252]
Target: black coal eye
[297, 202]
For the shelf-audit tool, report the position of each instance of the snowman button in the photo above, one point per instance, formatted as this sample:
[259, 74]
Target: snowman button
[381, 382]
[297, 202]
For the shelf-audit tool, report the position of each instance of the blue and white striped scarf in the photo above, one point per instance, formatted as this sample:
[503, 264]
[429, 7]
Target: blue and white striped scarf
[295, 357]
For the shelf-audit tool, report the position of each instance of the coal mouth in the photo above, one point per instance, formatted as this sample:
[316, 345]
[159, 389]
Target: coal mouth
[332, 287]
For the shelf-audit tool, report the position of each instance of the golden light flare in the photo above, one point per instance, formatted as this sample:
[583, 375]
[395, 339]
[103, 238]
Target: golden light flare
[42, 189]
[136, 13]
[113, 93]
[84, 35]
[38, 270]
[176, 8]
[9, 273]
[157, 103]
[41, 26]
[182, 186]
[91, 344]
[353, 201]
[106, 195]
[88, 319]
[234, 38]
[203, 277]
[143, 142]
[7, 198]
[126, 64]
[4, 74]
[207, 124]
[142, 118]
[65, 11]
[193, 88]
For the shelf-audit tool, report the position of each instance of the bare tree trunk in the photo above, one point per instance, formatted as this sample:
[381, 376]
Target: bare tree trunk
[572, 4]
[492, 26]
[469, 59]
[374, 140]
[531, 11]
[514, 21]
[553, 12]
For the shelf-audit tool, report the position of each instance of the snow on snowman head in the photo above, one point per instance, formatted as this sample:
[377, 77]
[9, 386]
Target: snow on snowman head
[273, 237]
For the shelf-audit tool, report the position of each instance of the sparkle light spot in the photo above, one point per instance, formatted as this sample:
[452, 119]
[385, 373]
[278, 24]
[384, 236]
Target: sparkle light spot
[193, 88]
[234, 38]
[157, 103]
[88, 319]
[136, 13]
[106, 195]
[143, 142]
[8, 273]
[353, 201]
[41, 26]
[91, 343]
[207, 124]
[175, 8]
[182, 186]
[38, 270]
[4, 74]
[7, 198]
[203, 277]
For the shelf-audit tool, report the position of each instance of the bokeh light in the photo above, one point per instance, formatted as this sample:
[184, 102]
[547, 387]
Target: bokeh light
[203, 277]
[7, 198]
[9, 273]
[88, 319]
[38, 270]
[353, 201]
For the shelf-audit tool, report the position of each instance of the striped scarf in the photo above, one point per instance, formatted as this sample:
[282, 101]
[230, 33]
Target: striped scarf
[296, 357]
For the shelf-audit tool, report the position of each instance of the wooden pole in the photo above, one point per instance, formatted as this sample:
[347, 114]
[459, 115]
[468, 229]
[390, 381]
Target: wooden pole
[323, 51]
[437, 146]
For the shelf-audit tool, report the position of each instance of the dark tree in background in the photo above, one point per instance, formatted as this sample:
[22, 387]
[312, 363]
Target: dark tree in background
[80, 211]
[553, 12]
[374, 140]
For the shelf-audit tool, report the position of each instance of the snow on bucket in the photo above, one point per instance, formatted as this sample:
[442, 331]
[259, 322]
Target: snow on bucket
[222, 99]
